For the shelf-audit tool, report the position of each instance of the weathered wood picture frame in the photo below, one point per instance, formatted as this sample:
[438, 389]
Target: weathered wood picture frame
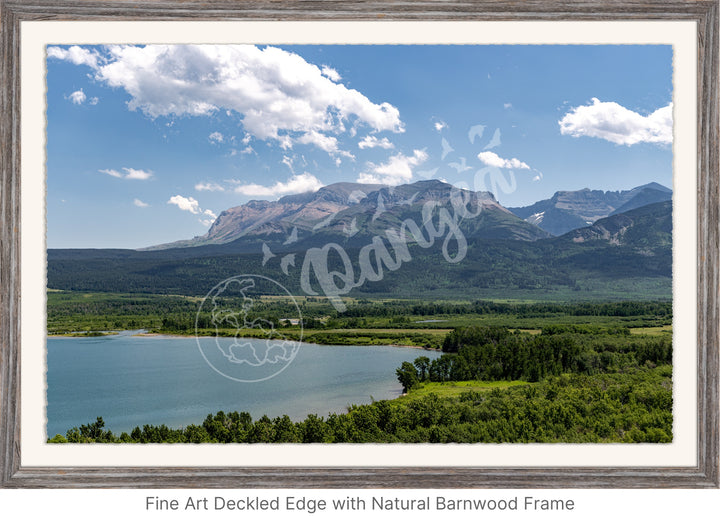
[705, 473]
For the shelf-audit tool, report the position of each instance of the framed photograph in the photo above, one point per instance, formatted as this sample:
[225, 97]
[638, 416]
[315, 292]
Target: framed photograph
[251, 244]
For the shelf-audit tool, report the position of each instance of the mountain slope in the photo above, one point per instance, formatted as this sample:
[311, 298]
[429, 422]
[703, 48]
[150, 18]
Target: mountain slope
[643, 198]
[646, 228]
[568, 210]
[261, 217]
[351, 213]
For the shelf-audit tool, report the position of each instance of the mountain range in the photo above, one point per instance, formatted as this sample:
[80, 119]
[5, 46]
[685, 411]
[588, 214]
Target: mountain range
[626, 253]
[351, 213]
[568, 210]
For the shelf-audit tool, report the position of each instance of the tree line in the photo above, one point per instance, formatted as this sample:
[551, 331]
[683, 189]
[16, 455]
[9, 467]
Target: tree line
[497, 354]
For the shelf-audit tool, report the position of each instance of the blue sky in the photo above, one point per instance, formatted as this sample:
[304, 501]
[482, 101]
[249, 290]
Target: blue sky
[147, 145]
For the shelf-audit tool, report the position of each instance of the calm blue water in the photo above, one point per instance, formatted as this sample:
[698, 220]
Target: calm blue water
[132, 381]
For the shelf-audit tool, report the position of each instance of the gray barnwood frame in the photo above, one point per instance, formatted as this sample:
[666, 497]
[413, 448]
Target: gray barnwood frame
[703, 12]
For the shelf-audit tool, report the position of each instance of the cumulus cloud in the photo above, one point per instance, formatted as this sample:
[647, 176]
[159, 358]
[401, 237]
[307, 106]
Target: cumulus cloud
[440, 125]
[612, 122]
[276, 93]
[320, 140]
[75, 54]
[493, 159]
[137, 174]
[128, 173]
[186, 204]
[216, 137]
[373, 142]
[302, 183]
[208, 186]
[140, 204]
[397, 170]
[193, 206]
[77, 97]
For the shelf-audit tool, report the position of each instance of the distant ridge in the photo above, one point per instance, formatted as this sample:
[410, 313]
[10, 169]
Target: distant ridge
[568, 210]
[645, 228]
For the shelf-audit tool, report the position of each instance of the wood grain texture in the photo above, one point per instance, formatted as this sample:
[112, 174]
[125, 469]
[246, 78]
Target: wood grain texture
[705, 474]
[9, 248]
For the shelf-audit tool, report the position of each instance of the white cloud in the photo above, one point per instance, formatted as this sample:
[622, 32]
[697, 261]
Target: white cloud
[325, 143]
[276, 93]
[207, 217]
[492, 159]
[397, 170]
[346, 154]
[208, 186]
[288, 161]
[140, 204]
[373, 142]
[75, 54]
[331, 73]
[186, 204]
[507, 105]
[77, 97]
[128, 173]
[296, 184]
[440, 125]
[612, 122]
[216, 137]
[137, 174]
[112, 173]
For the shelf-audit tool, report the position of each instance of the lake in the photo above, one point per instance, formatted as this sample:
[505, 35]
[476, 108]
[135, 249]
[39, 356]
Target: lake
[131, 381]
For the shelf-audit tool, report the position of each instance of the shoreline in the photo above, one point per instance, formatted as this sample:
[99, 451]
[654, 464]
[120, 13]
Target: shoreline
[248, 336]
[156, 334]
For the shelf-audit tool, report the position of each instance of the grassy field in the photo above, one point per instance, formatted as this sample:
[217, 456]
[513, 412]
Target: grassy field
[652, 330]
[455, 388]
